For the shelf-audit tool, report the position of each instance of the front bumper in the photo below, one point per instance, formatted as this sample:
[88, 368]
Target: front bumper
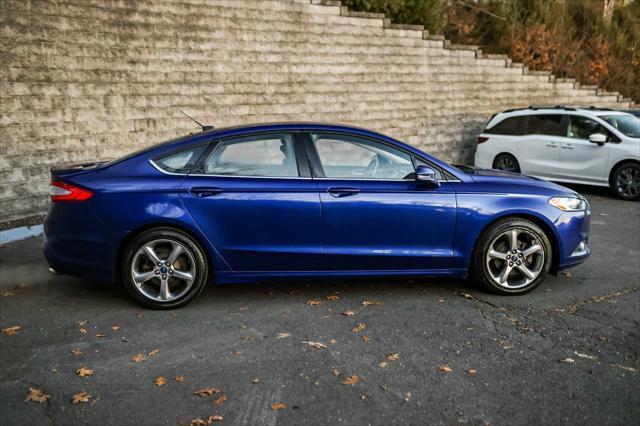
[573, 229]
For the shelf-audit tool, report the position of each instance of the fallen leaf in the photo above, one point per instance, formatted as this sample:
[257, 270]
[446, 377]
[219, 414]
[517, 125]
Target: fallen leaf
[82, 330]
[248, 338]
[179, 378]
[466, 296]
[407, 396]
[36, 395]
[349, 313]
[371, 303]
[316, 345]
[84, 372]
[581, 355]
[198, 422]
[383, 364]
[160, 381]
[569, 360]
[76, 352]
[138, 358]
[313, 302]
[10, 331]
[80, 398]
[154, 352]
[278, 406]
[440, 300]
[332, 297]
[359, 327]
[333, 341]
[444, 368]
[255, 381]
[351, 380]
[214, 418]
[8, 294]
[140, 315]
[220, 400]
[81, 323]
[206, 391]
[365, 339]
[393, 357]
[472, 371]
[244, 308]
[115, 327]
[283, 335]
[569, 275]
[335, 371]
[101, 335]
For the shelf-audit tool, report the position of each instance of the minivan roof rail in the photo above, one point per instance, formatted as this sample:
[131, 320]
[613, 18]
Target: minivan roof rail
[542, 107]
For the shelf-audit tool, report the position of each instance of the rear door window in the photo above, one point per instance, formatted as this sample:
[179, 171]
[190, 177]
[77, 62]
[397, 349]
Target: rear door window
[509, 126]
[546, 124]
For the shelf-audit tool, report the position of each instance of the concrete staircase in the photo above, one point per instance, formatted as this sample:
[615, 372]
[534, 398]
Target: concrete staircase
[90, 79]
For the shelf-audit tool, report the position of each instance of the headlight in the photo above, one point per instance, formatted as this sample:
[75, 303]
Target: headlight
[569, 204]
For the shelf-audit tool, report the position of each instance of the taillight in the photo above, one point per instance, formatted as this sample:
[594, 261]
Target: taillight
[482, 139]
[61, 191]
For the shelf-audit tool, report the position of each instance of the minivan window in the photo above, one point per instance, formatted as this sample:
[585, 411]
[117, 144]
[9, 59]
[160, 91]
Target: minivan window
[625, 124]
[509, 126]
[583, 127]
[547, 124]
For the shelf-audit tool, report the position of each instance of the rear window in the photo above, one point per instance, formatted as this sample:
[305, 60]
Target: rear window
[548, 124]
[181, 161]
[509, 126]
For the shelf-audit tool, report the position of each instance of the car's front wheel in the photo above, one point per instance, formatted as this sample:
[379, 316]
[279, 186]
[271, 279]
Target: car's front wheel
[512, 256]
[163, 268]
[625, 181]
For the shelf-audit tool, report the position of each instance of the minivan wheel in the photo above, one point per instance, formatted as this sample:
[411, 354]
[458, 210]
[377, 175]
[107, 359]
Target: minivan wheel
[625, 181]
[163, 268]
[513, 256]
[506, 162]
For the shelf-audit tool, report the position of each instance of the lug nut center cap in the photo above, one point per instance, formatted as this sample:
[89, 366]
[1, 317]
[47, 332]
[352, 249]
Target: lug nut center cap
[163, 270]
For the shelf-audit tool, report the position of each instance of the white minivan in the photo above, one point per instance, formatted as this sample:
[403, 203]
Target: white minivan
[574, 145]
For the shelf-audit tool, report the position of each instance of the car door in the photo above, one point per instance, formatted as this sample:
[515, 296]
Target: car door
[539, 149]
[375, 215]
[581, 159]
[254, 199]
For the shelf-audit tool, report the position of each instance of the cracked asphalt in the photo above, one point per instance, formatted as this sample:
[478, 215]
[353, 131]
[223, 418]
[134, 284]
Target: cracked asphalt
[568, 353]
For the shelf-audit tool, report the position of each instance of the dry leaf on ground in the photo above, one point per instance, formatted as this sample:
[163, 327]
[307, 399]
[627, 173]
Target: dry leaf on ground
[84, 372]
[351, 380]
[8, 294]
[101, 335]
[316, 345]
[80, 398]
[472, 371]
[393, 357]
[206, 391]
[371, 303]
[198, 422]
[220, 400]
[154, 352]
[283, 335]
[445, 368]
[76, 352]
[160, 381]
[138, 358]
[313, 302]
[278, 406]
[214, 418]
[255, 381]
[359, 327]
[349, 313]
[335, 371]
[81, 323]
[365, 339]
[115, 327]
[179, 378]
[332, 297]
[36, 395]
[383, 364]
[10, 331]
[82, 330]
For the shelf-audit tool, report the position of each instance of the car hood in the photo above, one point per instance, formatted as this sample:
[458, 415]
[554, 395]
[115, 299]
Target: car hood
[500, 177]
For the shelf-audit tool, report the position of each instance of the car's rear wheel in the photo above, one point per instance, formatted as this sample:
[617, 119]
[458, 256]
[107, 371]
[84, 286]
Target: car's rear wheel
[163, 268]
[506, 162]
[513, 256]
[625, 181]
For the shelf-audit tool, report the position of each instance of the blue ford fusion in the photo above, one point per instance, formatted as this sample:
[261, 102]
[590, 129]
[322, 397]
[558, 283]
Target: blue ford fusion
[271, 201]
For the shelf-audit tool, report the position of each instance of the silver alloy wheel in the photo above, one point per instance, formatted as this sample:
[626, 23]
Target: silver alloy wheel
[515, 258]
[628, 182]
[506, 163]
[163, 270]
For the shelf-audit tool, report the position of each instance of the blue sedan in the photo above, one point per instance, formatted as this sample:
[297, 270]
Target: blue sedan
[276, 201]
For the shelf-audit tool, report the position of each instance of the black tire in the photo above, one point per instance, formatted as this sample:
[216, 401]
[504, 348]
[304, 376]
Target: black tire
[192, 257]
[480, 266]
[625, 181]
[506, 162]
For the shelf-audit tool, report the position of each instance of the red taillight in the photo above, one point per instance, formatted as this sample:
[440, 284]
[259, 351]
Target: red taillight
[482, 139]
[61, 191]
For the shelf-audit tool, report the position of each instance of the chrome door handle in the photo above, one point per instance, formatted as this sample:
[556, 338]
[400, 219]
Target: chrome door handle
[202, 192]
[567, 146]
[552, 145]
[339, 192]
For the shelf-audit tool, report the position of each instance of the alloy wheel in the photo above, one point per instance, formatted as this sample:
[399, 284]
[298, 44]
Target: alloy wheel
[163, 270]
[628, 182]
[515, 258]
[507, 164]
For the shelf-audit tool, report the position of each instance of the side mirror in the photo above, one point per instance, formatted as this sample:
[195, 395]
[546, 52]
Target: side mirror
[427, 176]
[598, 138]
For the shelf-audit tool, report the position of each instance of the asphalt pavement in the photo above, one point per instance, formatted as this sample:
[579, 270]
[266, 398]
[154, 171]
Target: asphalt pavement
[406, 351]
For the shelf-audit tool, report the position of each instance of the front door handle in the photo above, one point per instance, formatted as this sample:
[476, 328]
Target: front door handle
[552, 145]
[567, 146]
[202, 191]
[339, 192]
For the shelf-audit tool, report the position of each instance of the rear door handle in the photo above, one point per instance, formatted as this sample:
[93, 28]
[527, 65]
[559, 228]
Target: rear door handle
[339, 192]
[552, 145]
[567, 146]
[202, 191]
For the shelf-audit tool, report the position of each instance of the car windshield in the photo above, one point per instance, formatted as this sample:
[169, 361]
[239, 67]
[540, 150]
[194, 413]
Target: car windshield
[626, 124]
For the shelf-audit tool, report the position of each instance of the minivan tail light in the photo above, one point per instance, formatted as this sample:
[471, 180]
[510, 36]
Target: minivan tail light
[482, 139]
[61, 191]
